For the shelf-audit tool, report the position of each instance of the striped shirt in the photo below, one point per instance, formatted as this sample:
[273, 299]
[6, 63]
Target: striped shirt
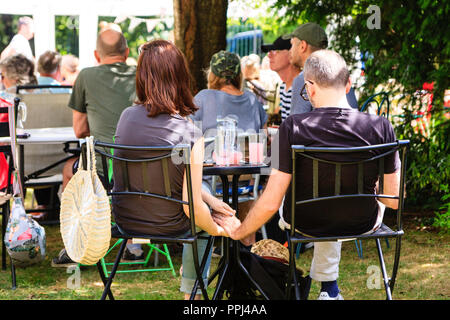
[285, 101]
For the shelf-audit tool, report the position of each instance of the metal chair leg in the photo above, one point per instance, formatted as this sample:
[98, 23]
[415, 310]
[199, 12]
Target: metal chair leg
[5, 207]
[13, 276]
[113, 271]
[359, 248]
[292, 275]
[101, 271]
[222, 270]
[199, 272]
[398, 244]
[202, 266]
[383, 270]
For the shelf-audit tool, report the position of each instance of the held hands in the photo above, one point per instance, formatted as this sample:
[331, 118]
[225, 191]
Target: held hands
[224, 216]
[229, 223]
[221, 207]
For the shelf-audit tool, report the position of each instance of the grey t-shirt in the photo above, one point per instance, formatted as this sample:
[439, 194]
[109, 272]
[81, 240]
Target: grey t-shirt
[215, 104]
[145, 214]
[298, 105]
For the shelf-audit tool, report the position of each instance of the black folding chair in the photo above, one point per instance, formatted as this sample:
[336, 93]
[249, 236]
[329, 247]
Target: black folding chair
[163, 155]
[320, 159]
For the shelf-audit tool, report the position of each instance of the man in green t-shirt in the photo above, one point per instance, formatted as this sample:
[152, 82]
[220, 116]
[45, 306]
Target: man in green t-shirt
[99, 96]
[101, 93]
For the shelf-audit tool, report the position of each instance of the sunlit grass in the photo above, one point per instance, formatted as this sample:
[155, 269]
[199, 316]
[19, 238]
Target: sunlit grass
[423, 273]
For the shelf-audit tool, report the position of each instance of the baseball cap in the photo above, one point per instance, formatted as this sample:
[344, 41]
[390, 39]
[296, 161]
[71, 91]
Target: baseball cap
[278, 44]
[225, 64]
[310, 32]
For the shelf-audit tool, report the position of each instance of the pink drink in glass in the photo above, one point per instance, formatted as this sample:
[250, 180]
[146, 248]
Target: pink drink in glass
[228, 158]
[256, 152]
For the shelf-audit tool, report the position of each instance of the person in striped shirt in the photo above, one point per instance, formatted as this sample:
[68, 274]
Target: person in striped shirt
[278, 54]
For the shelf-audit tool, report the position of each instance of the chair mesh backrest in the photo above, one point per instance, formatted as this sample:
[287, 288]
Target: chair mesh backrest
[157, 161]
[45, 110]
[332, 176]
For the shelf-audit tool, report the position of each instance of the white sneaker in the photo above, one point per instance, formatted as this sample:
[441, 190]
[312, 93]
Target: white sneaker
[324, 296]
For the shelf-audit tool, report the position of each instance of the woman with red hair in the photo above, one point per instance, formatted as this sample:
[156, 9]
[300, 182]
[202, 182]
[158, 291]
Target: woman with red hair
[160, 118]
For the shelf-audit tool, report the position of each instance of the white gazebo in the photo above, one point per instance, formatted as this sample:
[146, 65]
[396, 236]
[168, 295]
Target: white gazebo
[44, 12]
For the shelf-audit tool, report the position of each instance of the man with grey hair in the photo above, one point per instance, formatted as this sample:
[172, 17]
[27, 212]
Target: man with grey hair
[332, 122]
[20, 42]
[305, 40]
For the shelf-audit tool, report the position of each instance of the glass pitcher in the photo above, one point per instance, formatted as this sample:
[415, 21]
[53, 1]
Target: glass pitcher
[226, 148]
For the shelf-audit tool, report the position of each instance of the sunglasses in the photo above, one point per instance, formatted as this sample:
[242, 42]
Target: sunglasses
[303, 92]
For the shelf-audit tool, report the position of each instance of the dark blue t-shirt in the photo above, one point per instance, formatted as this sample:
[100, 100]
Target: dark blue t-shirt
[334, 127]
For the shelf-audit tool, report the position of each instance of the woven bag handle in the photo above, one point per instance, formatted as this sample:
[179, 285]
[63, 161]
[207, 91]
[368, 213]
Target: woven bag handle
[88, 157]
[94, 164]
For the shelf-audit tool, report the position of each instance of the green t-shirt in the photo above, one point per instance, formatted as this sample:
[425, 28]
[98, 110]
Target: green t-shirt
[103, 92]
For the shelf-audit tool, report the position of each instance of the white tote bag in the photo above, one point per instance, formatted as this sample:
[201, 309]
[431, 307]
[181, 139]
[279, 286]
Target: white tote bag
[85, 217]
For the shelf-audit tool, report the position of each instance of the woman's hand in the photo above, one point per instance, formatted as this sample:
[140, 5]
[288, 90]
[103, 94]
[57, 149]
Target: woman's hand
[220, 207]
[228, 223]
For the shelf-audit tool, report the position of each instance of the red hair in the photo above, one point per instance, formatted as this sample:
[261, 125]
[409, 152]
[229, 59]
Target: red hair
[163, 80]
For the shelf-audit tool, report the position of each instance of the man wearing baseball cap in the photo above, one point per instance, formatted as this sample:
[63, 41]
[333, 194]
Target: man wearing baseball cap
[278, 54]
[305, 40]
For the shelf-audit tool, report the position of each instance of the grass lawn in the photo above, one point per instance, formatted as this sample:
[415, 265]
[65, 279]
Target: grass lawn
[423, 273]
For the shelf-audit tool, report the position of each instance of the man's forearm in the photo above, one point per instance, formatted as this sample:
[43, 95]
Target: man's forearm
[259, 214]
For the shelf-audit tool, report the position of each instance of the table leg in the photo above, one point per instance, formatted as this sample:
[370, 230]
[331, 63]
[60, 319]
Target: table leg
[235, 193]
[224, 263]
[225, 187]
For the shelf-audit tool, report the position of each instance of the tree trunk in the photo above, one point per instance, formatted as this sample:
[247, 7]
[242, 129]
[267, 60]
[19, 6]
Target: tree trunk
[200, 31]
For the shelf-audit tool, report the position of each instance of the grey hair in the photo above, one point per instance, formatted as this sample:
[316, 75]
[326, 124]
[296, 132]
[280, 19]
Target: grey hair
[327, 68]
[25, 20]
[19, 69]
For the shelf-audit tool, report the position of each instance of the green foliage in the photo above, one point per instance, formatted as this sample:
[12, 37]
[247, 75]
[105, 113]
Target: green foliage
[139, 35]
[442, 219]
[66, 35]
[412, 46]
[270, 21]
[428, 162]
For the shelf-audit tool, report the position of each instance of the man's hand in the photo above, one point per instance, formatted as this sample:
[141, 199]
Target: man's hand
[227, 222]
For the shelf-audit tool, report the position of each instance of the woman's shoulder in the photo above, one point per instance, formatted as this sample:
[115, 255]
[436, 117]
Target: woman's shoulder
[133, 111]
[206, 93]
